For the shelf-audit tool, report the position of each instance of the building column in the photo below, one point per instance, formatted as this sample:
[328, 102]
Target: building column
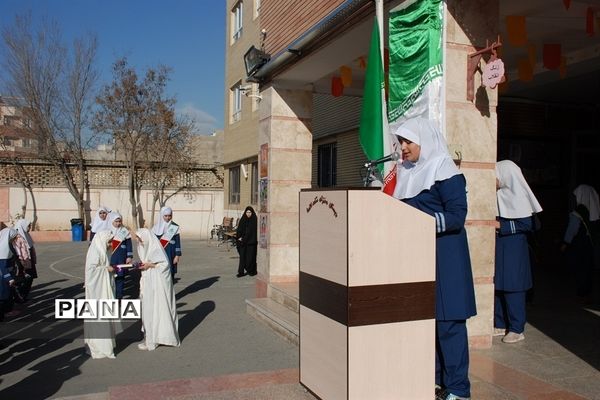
[471, 130]
[285, 157]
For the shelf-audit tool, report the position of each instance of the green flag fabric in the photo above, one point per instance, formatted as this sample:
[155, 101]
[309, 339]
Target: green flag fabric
[373, 105]
[415, 73]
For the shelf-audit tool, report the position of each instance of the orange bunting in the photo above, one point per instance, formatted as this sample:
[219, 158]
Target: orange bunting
[589, 21]
[562, 69]
[552, 55]
[517, 30]
[525, 70]
[567, 3]
[346, 75]
[337, 87]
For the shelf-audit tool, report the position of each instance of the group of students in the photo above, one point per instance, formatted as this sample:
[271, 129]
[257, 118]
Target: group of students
[108, 260]
[429, 180]
[17, 266]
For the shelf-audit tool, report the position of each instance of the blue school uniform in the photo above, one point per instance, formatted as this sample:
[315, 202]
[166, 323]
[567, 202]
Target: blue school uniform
[512, 276]
[173, 248]
[447, 202]
[5, 277]
[120, 256]
[455, 294]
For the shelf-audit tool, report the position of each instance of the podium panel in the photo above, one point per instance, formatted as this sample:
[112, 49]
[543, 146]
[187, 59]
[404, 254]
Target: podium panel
[367, 296]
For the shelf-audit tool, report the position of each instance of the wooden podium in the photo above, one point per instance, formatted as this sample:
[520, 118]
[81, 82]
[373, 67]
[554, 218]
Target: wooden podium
[367, 296]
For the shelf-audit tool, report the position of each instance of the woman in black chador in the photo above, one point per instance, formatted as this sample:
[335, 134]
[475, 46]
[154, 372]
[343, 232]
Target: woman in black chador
[247, 242]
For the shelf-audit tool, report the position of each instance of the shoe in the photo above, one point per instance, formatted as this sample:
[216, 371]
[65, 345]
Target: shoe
[451, 396]
[499, 332]
[251, 273]
[142, 346]
[512, 337]
[240, 275]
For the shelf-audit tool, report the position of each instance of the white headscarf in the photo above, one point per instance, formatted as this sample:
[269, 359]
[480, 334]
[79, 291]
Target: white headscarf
[434, 163]
[98, 253]
[98, 224]
[21, 226]
[161, 225]
[150, 250]
[6, 235]
[515, 198]
[587, 195]
[111, 218]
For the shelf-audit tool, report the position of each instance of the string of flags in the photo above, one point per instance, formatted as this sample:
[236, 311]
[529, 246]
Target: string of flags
[552, 53]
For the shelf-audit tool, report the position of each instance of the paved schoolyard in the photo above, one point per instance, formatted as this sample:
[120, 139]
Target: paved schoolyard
[44, 358]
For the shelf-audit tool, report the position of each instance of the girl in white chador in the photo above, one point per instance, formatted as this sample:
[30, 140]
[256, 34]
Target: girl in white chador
[99, 284]
[159, 314]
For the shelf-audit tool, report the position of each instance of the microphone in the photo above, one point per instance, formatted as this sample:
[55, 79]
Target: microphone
[390, 157]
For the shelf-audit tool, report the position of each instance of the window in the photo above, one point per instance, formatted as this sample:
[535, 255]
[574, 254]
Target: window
[256, 8]
[26, 142]
[327, 165]
[234, 185]
[254, 188]
[236, 103]
[236, 22]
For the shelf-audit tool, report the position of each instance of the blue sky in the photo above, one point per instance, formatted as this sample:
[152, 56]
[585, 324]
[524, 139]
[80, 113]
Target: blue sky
[187, 35]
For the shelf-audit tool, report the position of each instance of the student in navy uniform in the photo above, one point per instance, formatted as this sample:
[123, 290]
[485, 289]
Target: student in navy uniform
[7, 280]
[122, 251]
[512, 278]
[167, 232]
[429, 180]
[578, 240]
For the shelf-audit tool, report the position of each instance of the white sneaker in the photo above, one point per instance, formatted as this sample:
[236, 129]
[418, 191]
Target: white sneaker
[499, 332]
[142, 346]
[512, 337]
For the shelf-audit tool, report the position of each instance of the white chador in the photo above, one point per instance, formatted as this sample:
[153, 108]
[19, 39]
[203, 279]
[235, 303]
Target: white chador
[99, 284]
[159, 313]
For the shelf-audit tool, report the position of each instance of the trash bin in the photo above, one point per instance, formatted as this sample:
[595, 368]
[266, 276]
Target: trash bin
[77, 229]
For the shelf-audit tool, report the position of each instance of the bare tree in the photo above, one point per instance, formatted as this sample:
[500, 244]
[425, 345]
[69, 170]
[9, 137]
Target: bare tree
[136, 113]
[169, 159]
[20, 175]
[56, 86]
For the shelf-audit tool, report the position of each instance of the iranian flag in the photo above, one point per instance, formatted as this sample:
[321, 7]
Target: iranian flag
[414, 80]
[416, 70]
[374, 131]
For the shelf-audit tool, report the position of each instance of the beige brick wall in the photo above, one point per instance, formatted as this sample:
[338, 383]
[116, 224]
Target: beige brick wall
[286, 20]
[472, 128]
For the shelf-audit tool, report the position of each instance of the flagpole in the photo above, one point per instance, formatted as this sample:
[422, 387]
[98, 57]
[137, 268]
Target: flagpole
[379, 14]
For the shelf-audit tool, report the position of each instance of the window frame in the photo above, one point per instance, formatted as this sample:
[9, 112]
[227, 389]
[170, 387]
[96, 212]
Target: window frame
[237, 21]
[327, 177]
[234, 180]
[236, 102]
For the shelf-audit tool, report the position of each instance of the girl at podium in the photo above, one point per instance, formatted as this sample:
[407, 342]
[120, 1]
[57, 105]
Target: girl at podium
[428, 180]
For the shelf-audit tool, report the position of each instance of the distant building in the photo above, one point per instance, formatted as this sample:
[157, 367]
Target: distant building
[16, 138]
[240, 151]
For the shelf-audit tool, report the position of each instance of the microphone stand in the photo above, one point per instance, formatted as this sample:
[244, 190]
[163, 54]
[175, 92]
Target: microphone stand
[369, 175]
